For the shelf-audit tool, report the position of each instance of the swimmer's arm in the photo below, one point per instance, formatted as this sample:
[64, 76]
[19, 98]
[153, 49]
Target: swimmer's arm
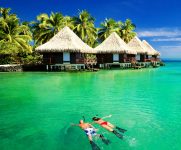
[72, 124]
[93, 122]
[107, 117]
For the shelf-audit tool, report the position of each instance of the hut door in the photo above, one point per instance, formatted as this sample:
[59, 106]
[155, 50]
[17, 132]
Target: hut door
[115, 57]
[66, 57]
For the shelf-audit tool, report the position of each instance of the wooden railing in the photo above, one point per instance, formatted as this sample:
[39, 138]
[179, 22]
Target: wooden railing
[86, 61]
[152, 59]
[129, 59]
[80, 61]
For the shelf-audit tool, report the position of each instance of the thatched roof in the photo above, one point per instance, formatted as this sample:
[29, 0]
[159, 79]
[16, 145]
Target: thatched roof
[150, 49]
[114, 44]
[65, 41]
[137, 45]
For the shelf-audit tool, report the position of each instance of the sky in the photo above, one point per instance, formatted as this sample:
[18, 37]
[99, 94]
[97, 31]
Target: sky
[157, 21]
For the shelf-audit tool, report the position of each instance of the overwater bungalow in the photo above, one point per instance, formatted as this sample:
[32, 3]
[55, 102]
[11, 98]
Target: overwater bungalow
[65, 49]
[139, 47]
[152, 54]
[114, 51]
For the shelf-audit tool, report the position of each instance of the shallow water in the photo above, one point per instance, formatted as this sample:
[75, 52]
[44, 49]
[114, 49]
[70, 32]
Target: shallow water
[36, 109]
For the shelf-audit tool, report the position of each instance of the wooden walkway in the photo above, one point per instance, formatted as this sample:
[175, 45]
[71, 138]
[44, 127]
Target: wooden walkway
[65, 67]
[137, 65]
[79, 67]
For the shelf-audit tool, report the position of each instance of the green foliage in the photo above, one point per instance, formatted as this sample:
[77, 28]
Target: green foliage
[14, 36]
[7, 48]
[5, 59]
[107, 27]
[127, 31]
[124, 29]
[45, 27]
[90, 59]
[32, 59]
[84, 27]
[90, 56]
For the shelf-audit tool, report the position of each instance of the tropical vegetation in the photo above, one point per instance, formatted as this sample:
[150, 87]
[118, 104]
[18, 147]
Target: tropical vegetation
[84, 27]
[19, 39]
[107, 27]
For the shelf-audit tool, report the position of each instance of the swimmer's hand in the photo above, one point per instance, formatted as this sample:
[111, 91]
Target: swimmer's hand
[110, 116]
[107, 117]
[72, 124]
[95, 129]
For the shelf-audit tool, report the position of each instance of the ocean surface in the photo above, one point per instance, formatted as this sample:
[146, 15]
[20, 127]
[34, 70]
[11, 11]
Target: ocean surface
[37, 108]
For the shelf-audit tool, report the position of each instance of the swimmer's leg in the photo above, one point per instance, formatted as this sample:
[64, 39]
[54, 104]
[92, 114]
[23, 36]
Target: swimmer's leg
[94, 146]
[117, 134]
[120, 129]
[104, 140]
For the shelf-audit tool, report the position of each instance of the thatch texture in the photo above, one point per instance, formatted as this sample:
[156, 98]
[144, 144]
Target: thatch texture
[150, 49]
[137, 45]
[65, 41]
[114, 44]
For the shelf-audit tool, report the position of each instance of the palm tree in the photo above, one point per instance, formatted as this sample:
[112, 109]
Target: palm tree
[47, 26]
[68, 21]
[127, 31]
[84, 27]
[14, 36]
[4, 12]
[107, 27]
[7, 48]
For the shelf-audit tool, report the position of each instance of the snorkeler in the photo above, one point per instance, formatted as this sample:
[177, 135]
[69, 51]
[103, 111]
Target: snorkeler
[108, 126]
[91, 131]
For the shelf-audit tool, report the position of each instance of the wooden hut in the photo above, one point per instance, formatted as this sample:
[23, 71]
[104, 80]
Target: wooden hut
[65, 48]
[114, 50]
[139, 47]
[152, 54]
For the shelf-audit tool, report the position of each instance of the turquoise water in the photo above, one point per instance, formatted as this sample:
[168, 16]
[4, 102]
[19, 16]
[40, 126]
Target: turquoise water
[36, 109]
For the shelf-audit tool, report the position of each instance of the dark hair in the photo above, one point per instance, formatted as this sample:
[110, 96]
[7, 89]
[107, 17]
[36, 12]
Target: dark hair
[96, 118]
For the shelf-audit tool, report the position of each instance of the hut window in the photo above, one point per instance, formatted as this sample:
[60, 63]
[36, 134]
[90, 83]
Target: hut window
[66, 57]
[115, 57]
[138, 57]
[149, 56]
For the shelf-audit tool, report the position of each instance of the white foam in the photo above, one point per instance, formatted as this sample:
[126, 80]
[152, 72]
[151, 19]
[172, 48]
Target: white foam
[131, 141]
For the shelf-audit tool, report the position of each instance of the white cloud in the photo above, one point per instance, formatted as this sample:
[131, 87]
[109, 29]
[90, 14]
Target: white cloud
[171, 47]
[159, 32]
[178, 39]
[170, 51]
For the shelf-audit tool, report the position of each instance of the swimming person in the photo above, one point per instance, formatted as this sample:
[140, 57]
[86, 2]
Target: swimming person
[108, 126]
[91, 131]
